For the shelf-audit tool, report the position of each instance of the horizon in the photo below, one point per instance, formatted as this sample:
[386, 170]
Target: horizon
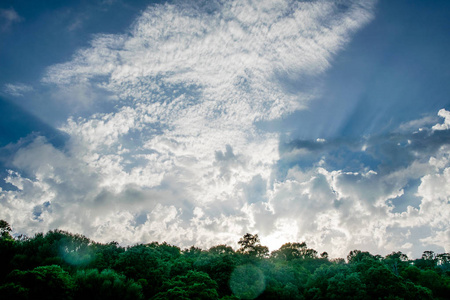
[236, 247]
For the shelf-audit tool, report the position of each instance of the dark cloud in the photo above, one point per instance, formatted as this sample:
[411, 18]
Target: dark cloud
[382, 153]
[227, 160]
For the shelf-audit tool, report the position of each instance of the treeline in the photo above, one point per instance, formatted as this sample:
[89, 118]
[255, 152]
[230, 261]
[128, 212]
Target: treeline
[61, 265]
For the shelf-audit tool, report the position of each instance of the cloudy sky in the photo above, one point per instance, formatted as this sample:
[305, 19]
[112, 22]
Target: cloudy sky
[194, 122]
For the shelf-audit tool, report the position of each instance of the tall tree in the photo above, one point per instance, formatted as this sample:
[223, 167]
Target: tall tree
[250, 244]
[5, 230]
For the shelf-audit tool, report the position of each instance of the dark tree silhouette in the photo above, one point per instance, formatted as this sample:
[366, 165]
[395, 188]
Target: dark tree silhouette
[250, 244]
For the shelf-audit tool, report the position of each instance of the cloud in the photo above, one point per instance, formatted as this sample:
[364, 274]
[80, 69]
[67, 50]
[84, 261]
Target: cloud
[17, 89]
[418, 125]
[386, 153]
[360, 207]
[223, 53]
[77, 23]
[179, 158]
[446, 125]
[7, 18]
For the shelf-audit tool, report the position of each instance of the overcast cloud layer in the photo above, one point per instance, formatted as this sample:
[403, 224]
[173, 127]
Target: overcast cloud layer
[179, 157]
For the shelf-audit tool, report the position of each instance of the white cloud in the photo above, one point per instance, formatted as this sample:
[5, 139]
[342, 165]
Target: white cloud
[180, 159]
[439, 238]
[8, 17]
[446, 125]
[17, 89]
[224, 55]
[417, 124]
[338, 211]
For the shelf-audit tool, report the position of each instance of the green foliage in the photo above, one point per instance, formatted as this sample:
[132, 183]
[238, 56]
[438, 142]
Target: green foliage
[61, 265]
[283, 280]
[7, 249]
[14, 291]
[92, 284]
[147, 262]
[7, 253]
[326, 281]
[192, 252]
[221, 250]
[439, 285]
[290, 251]
[218, 264]
[396, 261]
[54, 248]
[247, 282]
[428, 261]
[382, 282]
[194, 285]
[356, 256]
[346, 286]
[46, 282]
[105, 256]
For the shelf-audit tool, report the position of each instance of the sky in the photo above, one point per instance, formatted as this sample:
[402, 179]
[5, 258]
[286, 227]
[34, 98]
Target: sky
[195, 122]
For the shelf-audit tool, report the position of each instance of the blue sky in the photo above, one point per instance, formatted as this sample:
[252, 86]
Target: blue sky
[194, 123]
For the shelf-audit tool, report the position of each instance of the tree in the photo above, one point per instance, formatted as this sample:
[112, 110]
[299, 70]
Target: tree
[5, 230]
[336, 281]
[192, 252]
[221, 250]
[46, 282]
[194, 285]
[260, 251]
[144, 262]
[346, 286]
[283, 280]
[106, 255]
[219, 262]
[290, 251]
[444, 262]
[250, 245]
[396, 261]
[92, 284]
[14, 291]
[61, 265]
[247, 282]
[428, 260]
[248, 242]
[357, 256]
[7, 249]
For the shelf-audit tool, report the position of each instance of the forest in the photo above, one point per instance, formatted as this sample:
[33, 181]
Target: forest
[62, 265]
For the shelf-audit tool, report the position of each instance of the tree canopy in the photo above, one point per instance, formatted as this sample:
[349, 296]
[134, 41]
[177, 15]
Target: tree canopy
[61, 265]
